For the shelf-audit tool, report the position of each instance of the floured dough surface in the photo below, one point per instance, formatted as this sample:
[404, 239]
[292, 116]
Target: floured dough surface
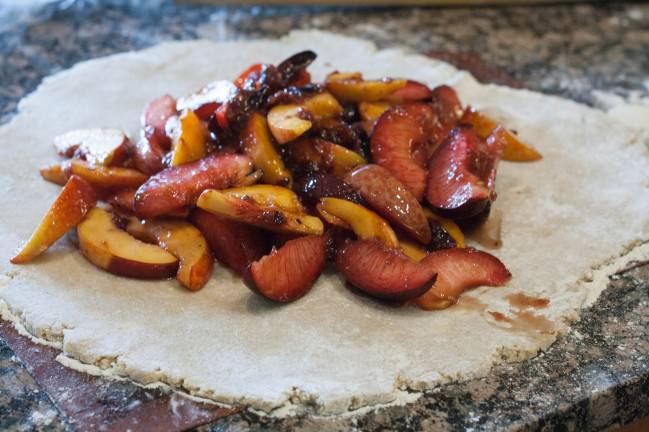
[332, 350]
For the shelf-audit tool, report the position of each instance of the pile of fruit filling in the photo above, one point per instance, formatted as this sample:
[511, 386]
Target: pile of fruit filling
[276, 177]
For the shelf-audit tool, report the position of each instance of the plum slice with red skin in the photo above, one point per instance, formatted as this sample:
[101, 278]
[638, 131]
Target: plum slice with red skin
[383, 272]
[389, 197]
[399, 143]
[459, 269]
[177, 187]
[234, 245]
[289, 272]
[448, 111]
[462, 173]
[155, 116]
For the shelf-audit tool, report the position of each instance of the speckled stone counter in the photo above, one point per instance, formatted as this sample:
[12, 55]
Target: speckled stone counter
[595, 377]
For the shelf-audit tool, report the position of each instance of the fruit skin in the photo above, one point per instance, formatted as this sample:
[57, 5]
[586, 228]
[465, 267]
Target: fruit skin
[287, 273]
[74, 201]
[262, 215]
[185, 242]
[400, 145]
[178, 187]
[365, 223]
[100, 146]
[462, 174]
[382, 272]
[155, 117]
[458, 270]
[114, 250]
[123, 200]
[448, 226]
[233, 244]
[257, 144]
[387, 196]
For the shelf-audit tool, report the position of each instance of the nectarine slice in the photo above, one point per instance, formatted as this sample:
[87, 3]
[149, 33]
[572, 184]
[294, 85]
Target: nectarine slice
[155, 117]
[268, 195]
[257, 144]
[269, 217]
[185, 242]
[107, 178]
[353, 88]
[97, 146]
[116, 251]
[365, 223]
[192, 140]
[288, 122]
[58, 173]
[75, 200]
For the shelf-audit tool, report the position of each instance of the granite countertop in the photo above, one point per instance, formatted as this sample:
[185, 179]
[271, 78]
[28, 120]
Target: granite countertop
[595, 377]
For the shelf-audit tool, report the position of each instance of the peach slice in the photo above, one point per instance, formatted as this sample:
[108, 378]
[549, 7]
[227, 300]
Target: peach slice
[269, 217]
[179, 187]
[75, 200]
[257, 144]
[365, 223]
[97, 146]
[58, 173]
[288, 122]
[192, 141]
[370, 113]
[234, 245]
[108, 247]
[390, 198]
[353, 88]
[449, 226]
[107, 178]
[185, 242]
[515, 150]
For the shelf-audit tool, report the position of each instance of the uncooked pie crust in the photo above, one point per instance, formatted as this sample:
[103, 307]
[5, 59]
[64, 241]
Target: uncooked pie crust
[586, 203]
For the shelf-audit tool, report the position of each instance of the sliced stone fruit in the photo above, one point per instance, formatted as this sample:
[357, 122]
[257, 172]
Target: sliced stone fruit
[458, 270]
[155, 117]
[287, 273]
[191, 144]
[73, 203]
[365, 223]
[462, 174]
[178, 187]
[400, 145]
[233, 244]
[388, 196]
[353, 88]
[262, 215]
[185, 242]
[382, 272]
[98, 146]
[257, 144]
[108, 247]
